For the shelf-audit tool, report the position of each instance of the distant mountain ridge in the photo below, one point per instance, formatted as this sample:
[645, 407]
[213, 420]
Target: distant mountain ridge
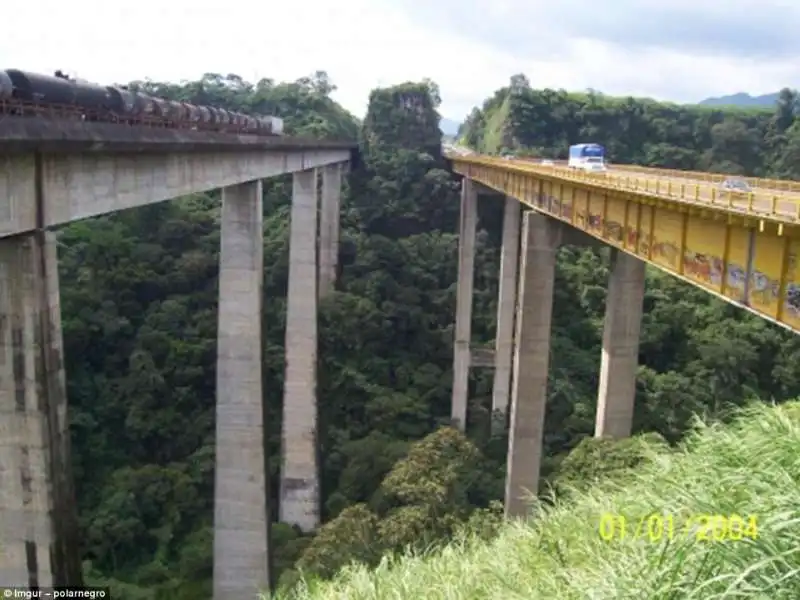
[742, 99]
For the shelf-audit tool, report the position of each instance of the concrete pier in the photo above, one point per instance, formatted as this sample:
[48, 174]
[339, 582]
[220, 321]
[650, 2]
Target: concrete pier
[329, 228]
[506, 306]
[38, 523]
[541, 236]
[241, 516]
[620, 361]
[464, 291]
[299, 481]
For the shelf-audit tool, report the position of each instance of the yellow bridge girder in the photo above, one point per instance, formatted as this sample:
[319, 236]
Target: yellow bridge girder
[742, 248]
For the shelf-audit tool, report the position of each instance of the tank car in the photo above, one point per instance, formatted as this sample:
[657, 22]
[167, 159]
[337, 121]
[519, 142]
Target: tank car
[233, 121]
[172, 112]
[92, 99]
[130, 105]
[205, 116]
[213, 117]
[119, 103]
[43, 89]
[191, 112]
[160, 108]
[223, 122]
[96, 100]
[238, 122]
[272, 125]
[6, 87]
[144, 105]
[250, 125]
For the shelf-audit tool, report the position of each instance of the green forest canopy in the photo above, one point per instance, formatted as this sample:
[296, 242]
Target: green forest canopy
[139, 294]
[702, 520]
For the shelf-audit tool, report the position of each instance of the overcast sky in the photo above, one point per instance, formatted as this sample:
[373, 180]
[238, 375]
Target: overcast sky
[678, 50]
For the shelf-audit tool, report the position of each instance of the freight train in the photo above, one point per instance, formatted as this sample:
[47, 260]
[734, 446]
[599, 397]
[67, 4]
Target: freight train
[30, 94]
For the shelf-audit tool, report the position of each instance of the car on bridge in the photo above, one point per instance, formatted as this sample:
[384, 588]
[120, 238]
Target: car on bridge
[734, 186]
[547, 163]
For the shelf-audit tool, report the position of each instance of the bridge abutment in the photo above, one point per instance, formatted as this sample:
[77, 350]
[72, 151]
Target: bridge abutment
[620, 361]
[241, 516]
[299, 479]
[38, 520]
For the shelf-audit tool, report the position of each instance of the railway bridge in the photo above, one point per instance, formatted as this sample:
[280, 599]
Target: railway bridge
[741, 247]
[55, 171]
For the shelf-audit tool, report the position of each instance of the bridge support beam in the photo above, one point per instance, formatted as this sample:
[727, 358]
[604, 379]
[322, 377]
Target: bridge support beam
[241, 517]
[620, 361]
[38, 522]
[541, 236]
[299, 481]
[464, 291]
[329, 228]
[506, 306]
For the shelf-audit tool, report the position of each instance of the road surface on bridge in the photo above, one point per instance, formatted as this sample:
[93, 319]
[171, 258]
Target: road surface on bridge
[783, 205]
[772, 185]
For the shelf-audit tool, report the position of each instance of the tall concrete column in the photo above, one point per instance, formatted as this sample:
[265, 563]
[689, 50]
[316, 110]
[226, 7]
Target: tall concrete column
[540, 239]
[329, 228]
[506, 306]
[38, 521]
[620, 361]
[241, 515]
[299, 494]
[464, 291]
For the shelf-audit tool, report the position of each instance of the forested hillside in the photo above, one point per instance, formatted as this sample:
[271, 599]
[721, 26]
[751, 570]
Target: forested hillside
[139, 293]
[755, 141]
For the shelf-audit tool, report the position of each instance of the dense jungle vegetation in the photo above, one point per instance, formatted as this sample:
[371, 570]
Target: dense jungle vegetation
[139, 294]
[576, 549]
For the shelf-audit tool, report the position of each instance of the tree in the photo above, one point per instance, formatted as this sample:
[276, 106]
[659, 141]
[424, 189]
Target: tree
[519, 84]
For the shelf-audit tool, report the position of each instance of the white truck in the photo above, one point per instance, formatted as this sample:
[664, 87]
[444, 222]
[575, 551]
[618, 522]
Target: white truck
[587, 157]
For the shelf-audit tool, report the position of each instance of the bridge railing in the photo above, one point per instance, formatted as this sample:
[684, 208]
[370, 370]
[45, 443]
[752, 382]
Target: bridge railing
[766, 203]
[754, 182]
[781, 185]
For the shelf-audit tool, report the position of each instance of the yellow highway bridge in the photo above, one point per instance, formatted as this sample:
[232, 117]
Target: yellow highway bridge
[742, 247]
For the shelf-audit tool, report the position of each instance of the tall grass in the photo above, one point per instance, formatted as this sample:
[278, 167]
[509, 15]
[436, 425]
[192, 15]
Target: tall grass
[750, 467]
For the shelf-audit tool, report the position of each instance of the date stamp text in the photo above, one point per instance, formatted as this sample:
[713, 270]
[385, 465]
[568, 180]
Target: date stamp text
[656, 527]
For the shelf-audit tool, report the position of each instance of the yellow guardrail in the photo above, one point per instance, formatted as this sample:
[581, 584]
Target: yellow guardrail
[783, 207]
[783, 185]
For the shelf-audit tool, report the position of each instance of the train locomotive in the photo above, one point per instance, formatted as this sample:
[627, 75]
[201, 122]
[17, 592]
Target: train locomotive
[31, 94]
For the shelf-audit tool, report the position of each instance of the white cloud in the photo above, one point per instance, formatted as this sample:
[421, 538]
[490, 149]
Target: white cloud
[362, 44]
